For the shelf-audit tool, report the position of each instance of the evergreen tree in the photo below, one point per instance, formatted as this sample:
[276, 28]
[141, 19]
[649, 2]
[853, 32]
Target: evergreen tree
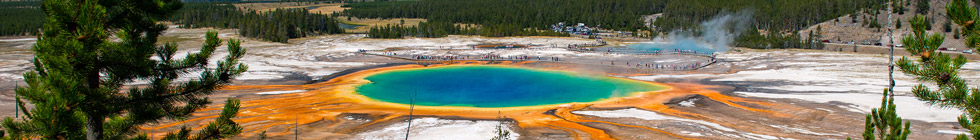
[928, 26]
[278, 25]
[884, 121]
[947, 26]
[501, 134]
[942, 69]
[898, 23]
[874, 24]
[261, 136]
[922, 7]
[819, 31]
[90, 50]
[865, 21]
[956, 33]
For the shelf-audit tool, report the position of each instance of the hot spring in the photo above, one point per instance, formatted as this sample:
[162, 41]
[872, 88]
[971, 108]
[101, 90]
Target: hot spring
[685, 46]
[495, 86]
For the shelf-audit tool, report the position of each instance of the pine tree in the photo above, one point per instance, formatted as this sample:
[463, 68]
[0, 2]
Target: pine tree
[922, 7]
[947, 26]
[956, 33]
[898, 24]
[91, 51]
[819, 33]
[500, 133]
[942, 69]
[928, 25]
[884, 121]
[865, 21]
[261, 136]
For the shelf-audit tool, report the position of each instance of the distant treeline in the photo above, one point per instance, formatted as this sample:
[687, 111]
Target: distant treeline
[271, 1]
[613, 14]
[780, 18]
[278, 25]
[490, 17]
[442, 29]
[790, 15]
[20, 18]
[26, 18]
[623, 15]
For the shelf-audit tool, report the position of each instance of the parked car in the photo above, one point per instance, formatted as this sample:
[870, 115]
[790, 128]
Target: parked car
[826, 41]
[943, 49]
[951, 49]
[968, 51]
[900, 45]
[877, 43]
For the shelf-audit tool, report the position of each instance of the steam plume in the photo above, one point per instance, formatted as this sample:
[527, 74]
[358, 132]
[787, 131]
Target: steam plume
[716, 34]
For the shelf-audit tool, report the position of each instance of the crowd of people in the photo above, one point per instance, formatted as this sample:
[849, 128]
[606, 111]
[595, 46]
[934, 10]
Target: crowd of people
[685, 51]
[444, 57]
[389, 53]
[633, 51]
[630, 64]
[481, 57]
[498, 57]
[688, 66]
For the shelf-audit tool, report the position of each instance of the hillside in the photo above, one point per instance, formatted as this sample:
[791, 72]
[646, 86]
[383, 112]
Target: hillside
[843, 30]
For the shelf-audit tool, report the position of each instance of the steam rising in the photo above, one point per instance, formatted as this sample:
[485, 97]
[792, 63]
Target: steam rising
[716, 34]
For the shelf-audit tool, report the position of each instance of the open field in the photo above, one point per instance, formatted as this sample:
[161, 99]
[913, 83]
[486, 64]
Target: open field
[367, 23]
[328, 8]
[325, 8]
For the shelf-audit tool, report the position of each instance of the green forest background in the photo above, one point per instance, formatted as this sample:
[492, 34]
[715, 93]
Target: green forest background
[494, 18]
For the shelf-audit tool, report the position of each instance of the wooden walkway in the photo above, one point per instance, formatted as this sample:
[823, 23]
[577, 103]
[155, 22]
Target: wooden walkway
[538, 58]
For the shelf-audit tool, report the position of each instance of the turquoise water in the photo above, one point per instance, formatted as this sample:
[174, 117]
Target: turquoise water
[494, 86]
[689, 45]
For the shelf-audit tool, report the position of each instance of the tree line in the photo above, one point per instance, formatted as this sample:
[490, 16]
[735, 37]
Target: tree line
[768, 15]
[278, 25]
[443, 29]
[618, 15]
[282, 24]
[271, 1]
[778, 17]
[20, 18]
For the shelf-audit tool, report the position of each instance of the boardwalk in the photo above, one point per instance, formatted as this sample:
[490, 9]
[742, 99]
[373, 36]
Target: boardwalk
[639, 64]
